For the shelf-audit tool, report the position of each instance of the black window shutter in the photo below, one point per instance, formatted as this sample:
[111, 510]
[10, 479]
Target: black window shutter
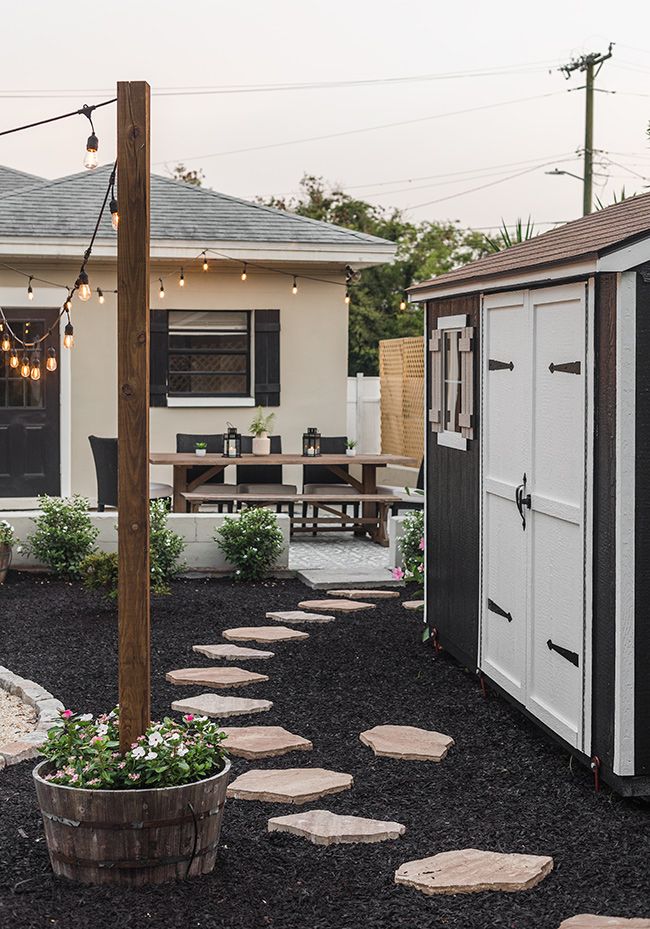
[158, 358]
[267, 357]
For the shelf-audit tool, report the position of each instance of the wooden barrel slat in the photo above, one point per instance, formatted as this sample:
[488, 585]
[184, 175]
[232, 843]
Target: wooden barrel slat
[132, 837]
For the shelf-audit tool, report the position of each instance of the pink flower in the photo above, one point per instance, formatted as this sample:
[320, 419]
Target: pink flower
[398, 574]
[133, 777]
[95, 739]
[421, 568]
[189, 718]
[422, 544]
[66, 714]
[122, 764]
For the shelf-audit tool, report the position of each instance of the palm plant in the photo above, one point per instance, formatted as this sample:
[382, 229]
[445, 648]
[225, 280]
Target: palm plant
[508, 236]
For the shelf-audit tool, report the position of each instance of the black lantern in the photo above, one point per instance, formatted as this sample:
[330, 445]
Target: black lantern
[231, 443]
[311, 442]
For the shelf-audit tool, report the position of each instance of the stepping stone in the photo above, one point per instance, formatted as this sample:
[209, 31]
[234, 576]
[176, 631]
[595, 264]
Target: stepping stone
[340, 606]
[589, 921]
[231, 652]
[218, 706]
[407, 743]
[413, 604]
[264, 634]
[324, 828]
[215, 677]
[288, 785]
[364, 594]
[300, 616]
[263, 741]
[471, 870]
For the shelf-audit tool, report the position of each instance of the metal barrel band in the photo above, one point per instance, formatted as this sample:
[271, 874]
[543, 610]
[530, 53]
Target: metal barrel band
[140, 863]
[149, 824]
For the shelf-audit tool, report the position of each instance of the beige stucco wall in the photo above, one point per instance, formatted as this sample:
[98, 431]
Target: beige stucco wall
[313, 352]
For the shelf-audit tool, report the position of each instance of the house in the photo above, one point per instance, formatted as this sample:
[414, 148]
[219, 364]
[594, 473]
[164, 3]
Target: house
[538, 480]
[266, 323]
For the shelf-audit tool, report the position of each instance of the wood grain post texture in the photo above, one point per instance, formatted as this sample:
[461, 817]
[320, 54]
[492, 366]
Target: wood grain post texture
[133, 170]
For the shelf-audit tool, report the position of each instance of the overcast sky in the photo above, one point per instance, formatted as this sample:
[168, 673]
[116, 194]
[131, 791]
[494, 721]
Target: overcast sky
[84, 49]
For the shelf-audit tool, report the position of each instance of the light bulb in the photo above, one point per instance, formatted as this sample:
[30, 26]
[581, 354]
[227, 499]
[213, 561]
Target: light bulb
[68, 336]
[35, 373]
[115, 216]
[161, 293]
[243, 274]
[205, 262]
[90, 159]
[402, 304]
[83, 287]
[181, 280]
[100, 295]
[347, 298]
[294, 289]
[25, 367]
[30, 292]
[6, 342]
[13, 359]
[51, 364]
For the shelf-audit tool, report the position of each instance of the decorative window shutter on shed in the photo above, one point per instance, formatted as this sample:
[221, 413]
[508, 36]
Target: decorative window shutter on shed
[158, 358]
[466, 415]
[435, 410]
[267, 357]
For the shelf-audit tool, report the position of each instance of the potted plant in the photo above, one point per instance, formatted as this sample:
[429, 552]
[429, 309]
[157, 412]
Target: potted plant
[351, 447]
[150, 815]
[200, 448]
[7, 541]
[259, 429]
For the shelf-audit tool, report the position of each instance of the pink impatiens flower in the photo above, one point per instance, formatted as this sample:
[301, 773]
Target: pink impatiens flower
[398, 574]
[189, 718]
[66, 714]
[422, 544]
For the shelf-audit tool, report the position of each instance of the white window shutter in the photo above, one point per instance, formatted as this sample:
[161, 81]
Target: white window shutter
[466, 415]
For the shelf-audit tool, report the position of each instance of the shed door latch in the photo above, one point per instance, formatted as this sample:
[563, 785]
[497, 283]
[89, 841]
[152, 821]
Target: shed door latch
[522, 499]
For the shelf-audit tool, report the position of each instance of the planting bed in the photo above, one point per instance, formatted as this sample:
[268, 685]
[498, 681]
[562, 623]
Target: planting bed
[502, 787]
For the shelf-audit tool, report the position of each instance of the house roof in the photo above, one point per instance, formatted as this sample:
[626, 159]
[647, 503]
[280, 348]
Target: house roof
[12, 179]
[590, 236]
[68, 207]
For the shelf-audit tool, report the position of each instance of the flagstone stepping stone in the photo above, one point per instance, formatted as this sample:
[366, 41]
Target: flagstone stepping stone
[413, 604]
[264, 634]
[341, 606]
[232, 652]
[300, 616]
[364, 594]
[263, 741]
[215, 677]
[288, 785]
[471, 870]
[589, 921]
[218, 706]
[407, 743]
[324, 828]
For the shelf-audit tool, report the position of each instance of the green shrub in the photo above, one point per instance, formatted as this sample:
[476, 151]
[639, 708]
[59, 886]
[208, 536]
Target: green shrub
[411, 546]
[252, 542]
[99, 570]
[64, 535]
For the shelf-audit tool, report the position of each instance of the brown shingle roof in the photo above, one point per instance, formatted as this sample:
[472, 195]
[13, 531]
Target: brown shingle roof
[588, 236]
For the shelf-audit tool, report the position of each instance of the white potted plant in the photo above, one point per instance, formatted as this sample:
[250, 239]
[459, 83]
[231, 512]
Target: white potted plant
[259, 429]
[200, 448]
[351, 447]
[7, 542]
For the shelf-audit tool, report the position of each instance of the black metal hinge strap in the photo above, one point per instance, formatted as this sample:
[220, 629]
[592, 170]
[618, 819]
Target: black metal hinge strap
[495, 608]
[500, 365]
[569, 367]
[573, 657]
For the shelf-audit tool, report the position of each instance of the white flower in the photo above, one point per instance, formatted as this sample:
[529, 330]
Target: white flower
[173, 736]
[155, 739]
[102, 728]
[138, 752]
[85, 718]
[181, 750]
[150, 756]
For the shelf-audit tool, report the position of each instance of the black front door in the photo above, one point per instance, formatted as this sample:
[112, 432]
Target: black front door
[29, 413]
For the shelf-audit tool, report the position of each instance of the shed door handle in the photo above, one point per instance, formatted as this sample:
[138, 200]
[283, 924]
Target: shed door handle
[522, 499]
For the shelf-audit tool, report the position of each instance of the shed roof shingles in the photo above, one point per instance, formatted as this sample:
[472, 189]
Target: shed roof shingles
[590, 235]
[68, 207]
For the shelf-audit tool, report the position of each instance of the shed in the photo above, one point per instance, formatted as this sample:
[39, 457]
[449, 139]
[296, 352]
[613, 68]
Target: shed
[538, 480]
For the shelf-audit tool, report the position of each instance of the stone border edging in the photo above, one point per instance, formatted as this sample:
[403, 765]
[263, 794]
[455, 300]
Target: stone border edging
[48, 711]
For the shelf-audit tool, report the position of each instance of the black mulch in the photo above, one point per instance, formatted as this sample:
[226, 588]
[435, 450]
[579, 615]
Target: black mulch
[503, 787]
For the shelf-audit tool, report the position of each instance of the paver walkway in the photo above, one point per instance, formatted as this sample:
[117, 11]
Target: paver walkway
[215, 677]
[589, 921]
[288, 785]
[407, 742]
[299, 616]
[324, 828]
[220, 707]
[232, 652]
[264, 634]
[263, 741]
[363, 594]
[336, 605]
[471, 870]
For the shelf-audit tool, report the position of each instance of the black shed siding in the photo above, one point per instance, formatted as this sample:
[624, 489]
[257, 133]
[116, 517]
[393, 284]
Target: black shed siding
[452, 493]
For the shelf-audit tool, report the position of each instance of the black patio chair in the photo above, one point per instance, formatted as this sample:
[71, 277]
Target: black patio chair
[186, 442]
[318, 479]
[404, 500]
[105, 456]
[261, 478]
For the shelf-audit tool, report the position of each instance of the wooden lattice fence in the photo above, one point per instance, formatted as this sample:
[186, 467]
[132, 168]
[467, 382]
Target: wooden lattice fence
[401, 372]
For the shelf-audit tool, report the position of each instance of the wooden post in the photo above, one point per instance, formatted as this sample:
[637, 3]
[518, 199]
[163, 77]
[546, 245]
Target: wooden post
[133, 159]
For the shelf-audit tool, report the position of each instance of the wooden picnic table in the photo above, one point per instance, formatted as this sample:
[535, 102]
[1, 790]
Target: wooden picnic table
[212, 464]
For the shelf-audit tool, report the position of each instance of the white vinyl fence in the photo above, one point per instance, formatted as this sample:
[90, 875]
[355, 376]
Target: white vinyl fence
[364, 413]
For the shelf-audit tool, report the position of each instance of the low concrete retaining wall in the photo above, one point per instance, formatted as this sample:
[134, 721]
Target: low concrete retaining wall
[395, 533]
[197, 529]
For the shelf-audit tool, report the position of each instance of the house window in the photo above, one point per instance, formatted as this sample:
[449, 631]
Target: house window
[16, 392]
[209, 353]
[451, 412]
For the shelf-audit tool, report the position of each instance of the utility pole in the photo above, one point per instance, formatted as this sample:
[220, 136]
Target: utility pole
[591, 65]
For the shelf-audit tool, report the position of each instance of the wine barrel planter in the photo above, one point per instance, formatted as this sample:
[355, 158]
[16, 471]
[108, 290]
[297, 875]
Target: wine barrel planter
[132, 837]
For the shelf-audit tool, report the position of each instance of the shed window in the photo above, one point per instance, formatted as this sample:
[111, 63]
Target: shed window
[451, 380]
[209, 353]
[451, 412]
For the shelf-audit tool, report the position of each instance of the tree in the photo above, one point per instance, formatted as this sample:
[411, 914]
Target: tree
[188, 175]
[424, 249]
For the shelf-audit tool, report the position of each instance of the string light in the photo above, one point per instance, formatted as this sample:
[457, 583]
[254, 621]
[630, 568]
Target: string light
[100, 295]
[243, 273]
[13, 358]
[294, 289]
[51, 364]
[25, 367]
[402, 303]
[115, 216]
[181, 280]
[347, 296]
[205, 262]
[161, 293]
[92, 145]
[30, 289]
[68, 304]
[68, 335]
[35, 373]
[83, 287]
[6, 342]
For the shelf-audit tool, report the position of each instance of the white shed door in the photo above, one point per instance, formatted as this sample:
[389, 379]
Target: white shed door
[533, 548]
